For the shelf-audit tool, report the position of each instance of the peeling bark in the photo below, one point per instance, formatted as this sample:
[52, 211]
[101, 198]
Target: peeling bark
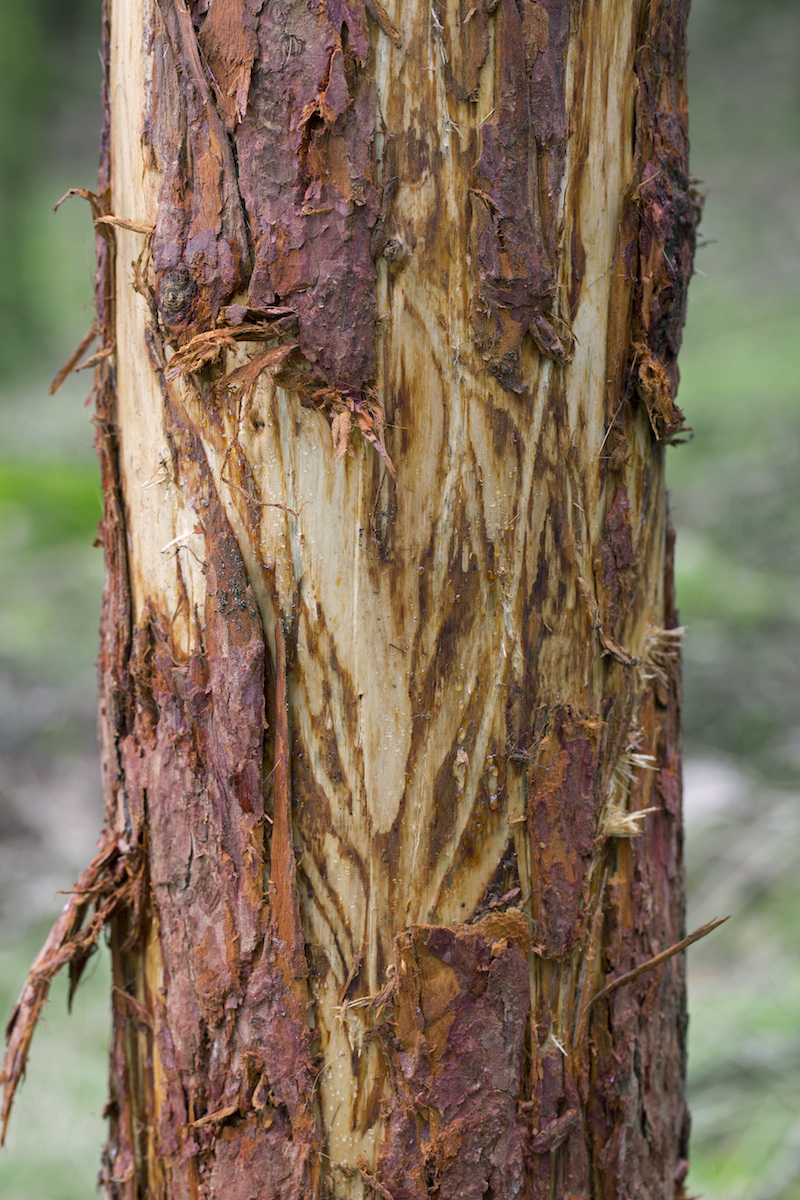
[389, 300]
[456, 1055]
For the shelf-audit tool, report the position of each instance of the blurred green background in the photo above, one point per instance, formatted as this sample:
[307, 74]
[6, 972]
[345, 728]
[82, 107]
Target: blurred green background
[735, 501]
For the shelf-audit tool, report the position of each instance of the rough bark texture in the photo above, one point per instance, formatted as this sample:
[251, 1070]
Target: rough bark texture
[390, 740]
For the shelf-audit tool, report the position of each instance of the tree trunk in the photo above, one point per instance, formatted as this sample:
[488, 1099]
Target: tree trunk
[390, 302]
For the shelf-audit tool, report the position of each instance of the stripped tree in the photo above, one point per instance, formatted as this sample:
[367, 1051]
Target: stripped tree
[389, 301]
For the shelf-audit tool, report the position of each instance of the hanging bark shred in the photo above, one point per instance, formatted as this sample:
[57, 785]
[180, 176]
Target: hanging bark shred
[111, 881]
[370, 933]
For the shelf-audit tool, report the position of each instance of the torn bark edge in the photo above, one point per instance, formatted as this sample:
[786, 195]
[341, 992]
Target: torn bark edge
[110, 881]
[381, 17]
[345, 412]
[95, 202]
[361, 1171]
[367, 413]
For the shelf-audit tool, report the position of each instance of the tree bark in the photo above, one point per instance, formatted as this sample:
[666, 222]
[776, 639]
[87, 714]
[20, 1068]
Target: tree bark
[390, 301]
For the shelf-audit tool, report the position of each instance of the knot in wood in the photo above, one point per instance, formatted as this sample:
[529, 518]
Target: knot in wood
[175, 296]
[395, 251]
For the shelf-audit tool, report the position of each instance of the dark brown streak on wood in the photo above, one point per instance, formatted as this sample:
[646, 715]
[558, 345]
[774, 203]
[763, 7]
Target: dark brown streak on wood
[284, 903]
[316, 815]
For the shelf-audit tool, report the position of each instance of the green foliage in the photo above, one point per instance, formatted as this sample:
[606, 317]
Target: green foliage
[47, 53]
[50, 502]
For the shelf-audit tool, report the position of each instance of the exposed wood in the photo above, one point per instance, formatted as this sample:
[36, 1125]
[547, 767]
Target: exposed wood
[389, 661]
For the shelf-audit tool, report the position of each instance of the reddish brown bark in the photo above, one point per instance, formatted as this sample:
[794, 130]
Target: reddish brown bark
[370, 864]
[456, 1052]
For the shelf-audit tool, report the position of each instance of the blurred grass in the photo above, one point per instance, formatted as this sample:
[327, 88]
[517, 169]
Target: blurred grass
[737, 510]
[736, 506]
[49, 602]
[745, 1000]
[46, 504]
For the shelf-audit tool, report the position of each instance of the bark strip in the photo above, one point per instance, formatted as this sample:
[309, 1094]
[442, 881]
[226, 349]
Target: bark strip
[111, 881]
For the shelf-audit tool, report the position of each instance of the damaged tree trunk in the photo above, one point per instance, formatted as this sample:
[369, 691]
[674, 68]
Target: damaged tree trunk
[390, 300]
